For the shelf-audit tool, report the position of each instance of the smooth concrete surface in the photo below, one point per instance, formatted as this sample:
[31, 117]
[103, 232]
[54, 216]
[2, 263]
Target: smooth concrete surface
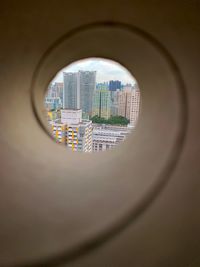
[135, 206]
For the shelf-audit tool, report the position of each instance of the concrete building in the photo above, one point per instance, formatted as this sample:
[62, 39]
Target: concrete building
[53, 98]
[114, 85]
[58, 90]
[71, 116]
[114, 102]
[58, 131]
[79, 136]
[128, 87]
[72, 131]
[51, 91]
[128, 104]
[101, 104]
[135, 107]
[55, 90]
[86, 86]
[53, 115]
[106, 137]
[78, 90]
[71, 91]
[124, 103]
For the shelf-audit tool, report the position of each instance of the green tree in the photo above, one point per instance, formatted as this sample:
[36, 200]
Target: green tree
[113, 120]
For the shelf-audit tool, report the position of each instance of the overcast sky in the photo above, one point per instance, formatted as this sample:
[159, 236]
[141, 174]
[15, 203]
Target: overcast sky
[106, 70]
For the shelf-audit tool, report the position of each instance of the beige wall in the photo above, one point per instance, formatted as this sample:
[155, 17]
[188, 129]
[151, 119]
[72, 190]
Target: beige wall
[137, 206]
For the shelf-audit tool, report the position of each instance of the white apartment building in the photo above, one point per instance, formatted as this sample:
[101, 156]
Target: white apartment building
[106, 137]
[79, 136]
[72, 131]
[58, 131]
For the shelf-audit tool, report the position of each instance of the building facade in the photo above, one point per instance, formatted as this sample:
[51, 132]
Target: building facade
[129, 104]
[72, 131]
[58, 89]
[79, 136]
[106, 137]
[71, 116]
[53, 115]
[101, 104]
[71, 91]
[86, 86]
[102, 86]
[114, 85]
[114, 102]
[124, 103]
[78, 90]
[135, 107]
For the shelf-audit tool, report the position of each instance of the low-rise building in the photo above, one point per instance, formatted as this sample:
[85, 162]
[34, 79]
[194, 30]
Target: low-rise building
[106, 137]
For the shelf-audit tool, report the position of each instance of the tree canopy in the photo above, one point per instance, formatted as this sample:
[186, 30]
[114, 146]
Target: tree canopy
[113, 120]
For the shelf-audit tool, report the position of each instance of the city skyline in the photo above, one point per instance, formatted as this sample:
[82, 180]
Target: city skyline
[89, 115]
[106, 70]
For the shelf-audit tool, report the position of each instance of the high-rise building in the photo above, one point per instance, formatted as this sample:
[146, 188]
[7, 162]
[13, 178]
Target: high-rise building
[135, 107]
[114, 102]
[51, 91]
[128, 104]
[71, 91]
[58, 131]
[124, 103]
[105, 137]
[114, 85]
[53, 98]
[78, 90]
[86, 84]
[101, 104]
[58, 88]
[128, 86]
[79, 136]
[72, 131]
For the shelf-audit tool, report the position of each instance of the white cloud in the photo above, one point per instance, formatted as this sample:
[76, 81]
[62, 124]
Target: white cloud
[106, 70]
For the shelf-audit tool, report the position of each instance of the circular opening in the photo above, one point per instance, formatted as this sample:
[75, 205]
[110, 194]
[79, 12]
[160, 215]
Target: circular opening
[92, 105]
